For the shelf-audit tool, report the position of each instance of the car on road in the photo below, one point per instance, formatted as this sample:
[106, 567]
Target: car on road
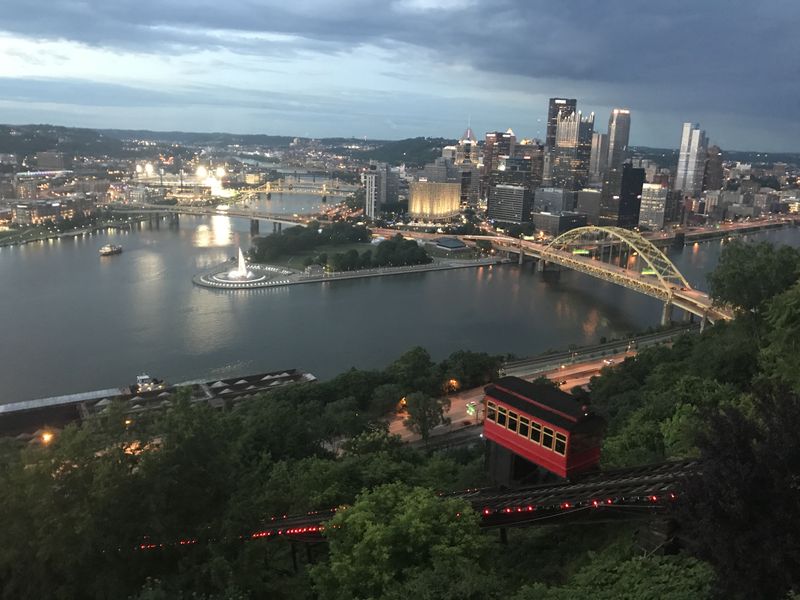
[608, 361]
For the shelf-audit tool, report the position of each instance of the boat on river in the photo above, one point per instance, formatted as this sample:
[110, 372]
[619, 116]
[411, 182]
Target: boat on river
[110, 249]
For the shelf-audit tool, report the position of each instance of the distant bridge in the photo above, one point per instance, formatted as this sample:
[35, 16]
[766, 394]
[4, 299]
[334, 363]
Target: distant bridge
[182, 209]
[282, 187]
[661, 279]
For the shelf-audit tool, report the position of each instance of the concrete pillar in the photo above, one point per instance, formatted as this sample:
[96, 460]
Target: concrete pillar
[666, 315]
[521, 256]
[280, 227]
[254, 226]
[687, 316]
[274, 228]
[703, 322]
[540, 265]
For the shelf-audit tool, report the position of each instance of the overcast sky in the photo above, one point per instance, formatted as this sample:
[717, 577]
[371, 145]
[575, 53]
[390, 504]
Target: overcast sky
[403, 68]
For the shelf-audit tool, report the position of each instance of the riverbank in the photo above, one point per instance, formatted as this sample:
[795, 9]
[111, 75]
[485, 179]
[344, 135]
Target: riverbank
[702, 234]
[272, 276]
[20, 240]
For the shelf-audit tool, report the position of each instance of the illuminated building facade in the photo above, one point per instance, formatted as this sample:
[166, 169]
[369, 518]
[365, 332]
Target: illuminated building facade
[557, 107]
[434, 201]
[570, 162]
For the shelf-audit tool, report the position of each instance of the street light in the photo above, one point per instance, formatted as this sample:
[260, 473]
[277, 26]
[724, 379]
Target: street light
[47, 437]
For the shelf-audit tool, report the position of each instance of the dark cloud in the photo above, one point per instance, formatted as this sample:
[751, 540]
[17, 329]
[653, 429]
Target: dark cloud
[678, 57]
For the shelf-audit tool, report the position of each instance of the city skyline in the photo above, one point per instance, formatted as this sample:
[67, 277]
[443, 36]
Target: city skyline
[404, 69]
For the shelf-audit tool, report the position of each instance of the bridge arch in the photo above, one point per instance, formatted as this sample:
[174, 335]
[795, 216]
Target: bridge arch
[666, 272]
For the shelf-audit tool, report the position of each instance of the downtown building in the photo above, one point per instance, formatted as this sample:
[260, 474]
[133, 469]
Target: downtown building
[621, 197]
[553, 200]
[556, 109]
[598, 158]
[653, 206]
[713, 173]
[558, 222]
[509, 203]
[434, 201]
[458, 164]
[691, 161]
[619, 131]
[569, 166]
[381, 185]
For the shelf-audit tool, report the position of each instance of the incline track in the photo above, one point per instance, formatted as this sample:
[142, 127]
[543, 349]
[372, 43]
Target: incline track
[598, 497]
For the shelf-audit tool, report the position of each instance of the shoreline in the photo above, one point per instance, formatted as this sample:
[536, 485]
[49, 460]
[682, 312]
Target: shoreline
[298, 278]
[122, 225]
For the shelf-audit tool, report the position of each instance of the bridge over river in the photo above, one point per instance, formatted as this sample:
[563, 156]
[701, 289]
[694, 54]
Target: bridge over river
[255, 216]
[592, 250]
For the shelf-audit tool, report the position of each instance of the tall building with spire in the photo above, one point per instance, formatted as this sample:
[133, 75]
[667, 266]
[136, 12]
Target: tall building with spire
[467, 150]
[691, 160]
[619, 129]
[557, 107]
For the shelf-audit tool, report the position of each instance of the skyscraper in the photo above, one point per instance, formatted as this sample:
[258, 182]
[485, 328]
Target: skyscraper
[619, 129]
[497, 144]
[621, 197]
[556, 108]
[381, 187]
[467, 148]
[691, 160]
[598, 158]
[713, 178]
[653, 206]
[570, 163]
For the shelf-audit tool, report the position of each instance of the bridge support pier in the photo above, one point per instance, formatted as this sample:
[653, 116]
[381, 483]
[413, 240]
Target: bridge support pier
[703, 323]
[277, 227]
[521, 257]
[253, 226]
[666, 315]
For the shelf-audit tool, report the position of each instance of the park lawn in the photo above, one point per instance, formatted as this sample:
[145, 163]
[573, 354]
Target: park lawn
[295, 261]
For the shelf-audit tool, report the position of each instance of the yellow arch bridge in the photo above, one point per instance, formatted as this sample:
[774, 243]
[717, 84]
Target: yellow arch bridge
[591, 250]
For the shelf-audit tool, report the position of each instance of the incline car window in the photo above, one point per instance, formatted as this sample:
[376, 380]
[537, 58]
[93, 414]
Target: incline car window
[501, 416]
[512, 421]
[524, 426]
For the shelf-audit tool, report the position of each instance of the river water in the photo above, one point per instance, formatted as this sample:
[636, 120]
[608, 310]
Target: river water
[75, 321]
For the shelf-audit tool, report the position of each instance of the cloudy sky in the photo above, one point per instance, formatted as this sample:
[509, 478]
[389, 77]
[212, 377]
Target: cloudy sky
[402, 68]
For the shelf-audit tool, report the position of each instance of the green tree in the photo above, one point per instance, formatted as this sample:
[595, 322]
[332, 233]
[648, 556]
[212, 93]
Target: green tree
[424, 413]
[609, 578]
[471, 369]
[416, 372]
[392, 535]
[747, 275]
[779, 359]
[742, 512]
[386, 397]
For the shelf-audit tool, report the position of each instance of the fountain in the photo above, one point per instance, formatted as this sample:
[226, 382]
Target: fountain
[243, 278]
[241, 272]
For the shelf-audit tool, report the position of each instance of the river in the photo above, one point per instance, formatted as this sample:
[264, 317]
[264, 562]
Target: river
[75, 321]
